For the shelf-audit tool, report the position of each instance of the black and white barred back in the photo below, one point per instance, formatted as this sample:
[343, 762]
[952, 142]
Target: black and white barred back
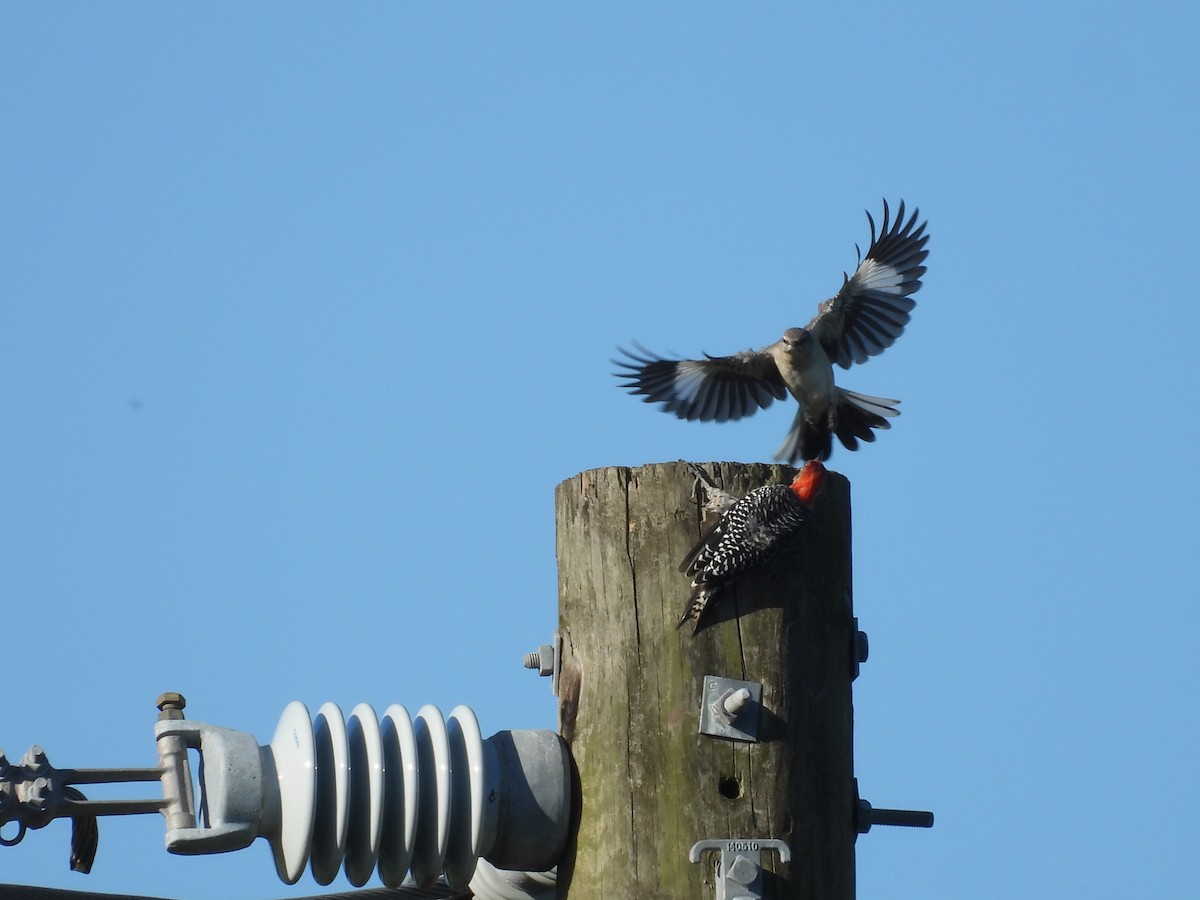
[750, 534]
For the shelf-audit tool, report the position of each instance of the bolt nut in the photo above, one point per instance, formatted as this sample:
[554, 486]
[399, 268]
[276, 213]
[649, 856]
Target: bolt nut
[39, 793]
[541, 659]
[170, 705]
[36, 759]
[743, 871]
[862, 817]
[862, 647]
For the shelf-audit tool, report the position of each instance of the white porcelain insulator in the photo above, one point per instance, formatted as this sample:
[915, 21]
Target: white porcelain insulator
[390, 796]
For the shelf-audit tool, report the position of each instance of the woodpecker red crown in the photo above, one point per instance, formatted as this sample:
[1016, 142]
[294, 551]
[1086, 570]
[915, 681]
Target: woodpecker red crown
[808, 480]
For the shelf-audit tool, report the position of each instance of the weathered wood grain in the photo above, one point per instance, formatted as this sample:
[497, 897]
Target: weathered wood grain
[649, 784]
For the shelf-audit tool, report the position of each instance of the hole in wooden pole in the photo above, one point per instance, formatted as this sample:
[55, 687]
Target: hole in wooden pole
[729, 787]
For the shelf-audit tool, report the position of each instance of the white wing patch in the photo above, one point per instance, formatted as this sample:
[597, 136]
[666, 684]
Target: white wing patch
[689, 379]
[876, 276]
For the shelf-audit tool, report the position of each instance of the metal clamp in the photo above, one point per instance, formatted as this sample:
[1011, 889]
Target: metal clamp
[740, 874]
[34, 793]
[730, 708]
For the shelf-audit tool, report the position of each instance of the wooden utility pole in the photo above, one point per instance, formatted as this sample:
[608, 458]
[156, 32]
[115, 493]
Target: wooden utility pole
[631, 689]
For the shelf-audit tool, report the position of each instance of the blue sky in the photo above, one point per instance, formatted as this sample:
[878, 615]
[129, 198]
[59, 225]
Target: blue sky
[307, 309]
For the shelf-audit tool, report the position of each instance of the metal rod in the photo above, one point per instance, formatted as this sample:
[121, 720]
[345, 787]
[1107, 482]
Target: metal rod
[75, 808]
[109, 776]
[909, 818]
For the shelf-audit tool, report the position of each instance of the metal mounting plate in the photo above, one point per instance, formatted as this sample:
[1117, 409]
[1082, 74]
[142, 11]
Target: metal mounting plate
[717, 722]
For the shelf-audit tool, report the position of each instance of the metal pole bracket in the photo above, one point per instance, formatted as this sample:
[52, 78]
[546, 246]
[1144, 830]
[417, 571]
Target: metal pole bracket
[740, 874]
[730, 708]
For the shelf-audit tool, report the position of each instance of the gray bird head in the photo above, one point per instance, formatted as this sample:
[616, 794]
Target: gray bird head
[794, 349]
[797, 343]
[795, 337]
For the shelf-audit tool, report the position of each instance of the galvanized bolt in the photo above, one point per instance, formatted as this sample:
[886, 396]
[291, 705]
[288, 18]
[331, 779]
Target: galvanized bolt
[36, 759]
[866, 815]
[39, 792]
[907, 818]
[743, 871]
[735, 701]
[170, 706]
[541, 659]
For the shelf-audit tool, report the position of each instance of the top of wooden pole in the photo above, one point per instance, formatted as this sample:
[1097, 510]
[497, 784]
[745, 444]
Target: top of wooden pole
[631, 688]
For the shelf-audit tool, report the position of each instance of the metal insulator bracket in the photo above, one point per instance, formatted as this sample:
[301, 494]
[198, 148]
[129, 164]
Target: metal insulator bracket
[397, 793]
[740, 874]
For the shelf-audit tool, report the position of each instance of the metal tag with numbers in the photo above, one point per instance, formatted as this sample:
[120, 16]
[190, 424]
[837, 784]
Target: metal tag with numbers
[740, 874]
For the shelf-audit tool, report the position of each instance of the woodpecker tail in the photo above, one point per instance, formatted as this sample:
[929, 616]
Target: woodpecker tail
[698, 605]
[852, 420]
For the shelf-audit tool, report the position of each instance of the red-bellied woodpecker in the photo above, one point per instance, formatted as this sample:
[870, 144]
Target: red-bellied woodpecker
[749, 533]
[863, 319]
